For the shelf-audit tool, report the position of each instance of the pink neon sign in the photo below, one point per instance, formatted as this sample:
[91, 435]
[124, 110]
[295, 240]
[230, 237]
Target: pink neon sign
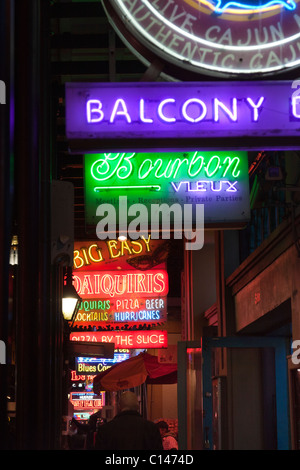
[109, 284]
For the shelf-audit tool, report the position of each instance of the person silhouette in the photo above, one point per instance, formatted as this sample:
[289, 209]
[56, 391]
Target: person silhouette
[128, 430]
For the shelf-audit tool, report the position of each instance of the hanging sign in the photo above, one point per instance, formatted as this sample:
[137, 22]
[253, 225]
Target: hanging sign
[121, 297]
[127, 310]
[108, 285]
[179, 181]
[141, 254]
[93, 366]
[126, 339]
[87, 400]
[216, 37]
[181, 110]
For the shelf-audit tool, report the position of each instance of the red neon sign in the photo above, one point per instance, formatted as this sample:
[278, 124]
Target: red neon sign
[78, 378]
[112, 284]
[126, 339]
[86, 400]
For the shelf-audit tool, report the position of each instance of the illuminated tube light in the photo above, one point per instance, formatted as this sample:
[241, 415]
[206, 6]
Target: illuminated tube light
[131, 21]
[160, 110]
[289, 5]
[231, 114]
[256, 106]
[142, 112]
[295, 102]
[201, 104]
[122, 112]
[154, 187]
[108, 284]
[104, 163]
[204, 41]
[126, 339]
[194, 165]
[233, 11]
[203, 184]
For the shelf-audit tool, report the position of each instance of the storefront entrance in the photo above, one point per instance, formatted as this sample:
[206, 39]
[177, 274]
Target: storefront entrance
[203, 424]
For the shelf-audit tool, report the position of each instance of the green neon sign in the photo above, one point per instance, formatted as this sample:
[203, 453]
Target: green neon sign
[218, 179]
[134, 168]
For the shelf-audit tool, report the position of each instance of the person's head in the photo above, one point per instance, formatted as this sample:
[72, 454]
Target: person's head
[128, 401]
[163, 427]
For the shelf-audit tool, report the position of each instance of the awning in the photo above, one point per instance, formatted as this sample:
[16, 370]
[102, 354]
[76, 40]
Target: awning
[135, 371]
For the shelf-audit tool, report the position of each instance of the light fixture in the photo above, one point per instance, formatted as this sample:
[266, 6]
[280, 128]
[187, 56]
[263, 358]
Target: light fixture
[13, 258]
[70, 300]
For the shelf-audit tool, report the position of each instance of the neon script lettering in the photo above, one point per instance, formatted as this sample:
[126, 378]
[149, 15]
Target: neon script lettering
[170, 110]
[122, 166]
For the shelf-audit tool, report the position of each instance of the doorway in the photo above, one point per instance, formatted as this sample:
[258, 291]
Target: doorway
[203, 402]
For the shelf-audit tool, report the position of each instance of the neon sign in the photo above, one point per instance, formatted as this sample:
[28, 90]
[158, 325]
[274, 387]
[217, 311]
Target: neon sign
[82, 400]
[219, 180]
[232, 37]
[122, 310]
[94, 252]
[126, 339]
[125, 299]
[108, 285]
[143, 253]
[223, 5]
[168, 110]
[180, 110]
[124, 166]
[142, 166]
[80, 378]
[90, 365]
[130, 297]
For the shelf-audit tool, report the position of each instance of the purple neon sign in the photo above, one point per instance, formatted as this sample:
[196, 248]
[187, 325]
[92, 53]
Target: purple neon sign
[182, 110]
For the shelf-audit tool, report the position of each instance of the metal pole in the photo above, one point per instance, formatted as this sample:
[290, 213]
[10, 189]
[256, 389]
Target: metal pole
[6, 199]
[33, 350]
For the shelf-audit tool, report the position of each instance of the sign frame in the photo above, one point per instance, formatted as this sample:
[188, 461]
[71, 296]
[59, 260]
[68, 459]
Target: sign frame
[219, 180]
[129, 339]
[91, 349]
[272, 128]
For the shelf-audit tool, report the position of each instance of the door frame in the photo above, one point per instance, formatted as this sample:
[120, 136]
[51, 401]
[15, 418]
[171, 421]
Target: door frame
[207, 344]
